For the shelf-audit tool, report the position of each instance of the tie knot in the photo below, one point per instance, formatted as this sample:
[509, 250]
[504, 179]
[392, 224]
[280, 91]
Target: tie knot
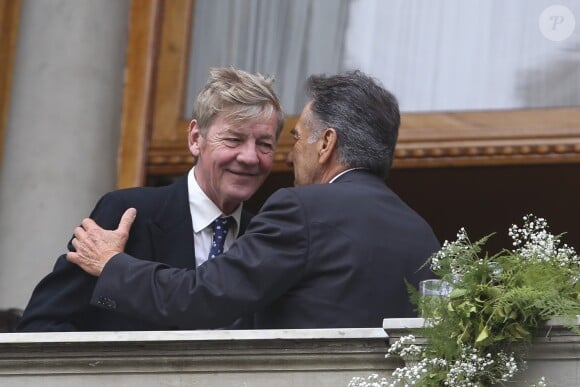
[221, 224]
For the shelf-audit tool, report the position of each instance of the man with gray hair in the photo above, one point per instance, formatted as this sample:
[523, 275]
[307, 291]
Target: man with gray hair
[334, 251]
[236, 123]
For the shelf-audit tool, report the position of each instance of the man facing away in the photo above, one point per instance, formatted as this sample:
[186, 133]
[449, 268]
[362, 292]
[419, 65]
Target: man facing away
[236, 123]
[334, 251]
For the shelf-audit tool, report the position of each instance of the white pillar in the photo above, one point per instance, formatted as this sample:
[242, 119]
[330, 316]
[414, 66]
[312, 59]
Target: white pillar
[62, 133]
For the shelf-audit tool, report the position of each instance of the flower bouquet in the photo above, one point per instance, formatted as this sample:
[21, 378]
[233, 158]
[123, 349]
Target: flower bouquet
[478, 331]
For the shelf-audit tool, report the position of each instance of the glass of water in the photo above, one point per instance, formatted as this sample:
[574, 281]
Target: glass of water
[434, 295]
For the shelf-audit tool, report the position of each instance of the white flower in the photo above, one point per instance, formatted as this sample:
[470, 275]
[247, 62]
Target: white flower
[541, 382]
[372, 380]
[405, 347]
[535, 243]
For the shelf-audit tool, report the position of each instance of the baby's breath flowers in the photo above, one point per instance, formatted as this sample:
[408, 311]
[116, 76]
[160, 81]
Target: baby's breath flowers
[406, 348]
[465, 371]
[477, 335]
[450, 257]
[541, 383]
[372, 380]
[533, 242]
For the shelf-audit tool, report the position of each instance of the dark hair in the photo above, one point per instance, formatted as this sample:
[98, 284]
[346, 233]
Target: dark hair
[364, 114]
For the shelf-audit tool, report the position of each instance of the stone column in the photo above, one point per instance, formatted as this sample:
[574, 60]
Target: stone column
[62, 133]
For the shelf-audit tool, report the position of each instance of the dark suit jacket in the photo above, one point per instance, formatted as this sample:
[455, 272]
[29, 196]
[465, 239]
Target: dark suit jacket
[319, 256]
[162, 232]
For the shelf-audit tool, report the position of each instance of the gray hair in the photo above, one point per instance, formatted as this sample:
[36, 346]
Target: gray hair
[240, 95]
[364, 114]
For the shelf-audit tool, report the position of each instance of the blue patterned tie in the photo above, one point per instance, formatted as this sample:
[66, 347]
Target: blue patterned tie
[220, 228]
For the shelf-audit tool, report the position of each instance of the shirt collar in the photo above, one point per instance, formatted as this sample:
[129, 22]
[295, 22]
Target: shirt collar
[342, 173]
[203, 210]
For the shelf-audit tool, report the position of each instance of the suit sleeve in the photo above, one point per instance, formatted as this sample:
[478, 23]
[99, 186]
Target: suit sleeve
[260, 266]
[61, 301]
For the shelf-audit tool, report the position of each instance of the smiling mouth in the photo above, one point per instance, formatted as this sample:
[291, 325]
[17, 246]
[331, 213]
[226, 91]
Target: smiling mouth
[244, 174]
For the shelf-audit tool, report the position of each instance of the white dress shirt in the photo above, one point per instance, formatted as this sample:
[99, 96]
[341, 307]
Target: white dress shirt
[203, 213]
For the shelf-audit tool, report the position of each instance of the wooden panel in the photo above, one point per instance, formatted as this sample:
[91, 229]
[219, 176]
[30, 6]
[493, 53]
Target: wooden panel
[9, 22]
[137, 98]
[487, 199]
[168, 124]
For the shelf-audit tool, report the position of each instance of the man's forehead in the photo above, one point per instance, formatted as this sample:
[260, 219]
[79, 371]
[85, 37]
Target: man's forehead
[305, 119]
[247, 127]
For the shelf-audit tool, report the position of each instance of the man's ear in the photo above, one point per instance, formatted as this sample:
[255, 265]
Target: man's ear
[193, 136]
[327, 144]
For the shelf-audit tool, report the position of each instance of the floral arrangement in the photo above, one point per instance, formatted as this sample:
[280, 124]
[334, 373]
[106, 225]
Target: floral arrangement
[478, 330]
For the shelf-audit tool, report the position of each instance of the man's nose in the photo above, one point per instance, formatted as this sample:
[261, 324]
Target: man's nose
[248, 154]
[290, 159]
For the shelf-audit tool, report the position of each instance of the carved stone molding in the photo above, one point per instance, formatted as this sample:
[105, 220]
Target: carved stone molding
[533, 136]
[536, 136]
[285, 358]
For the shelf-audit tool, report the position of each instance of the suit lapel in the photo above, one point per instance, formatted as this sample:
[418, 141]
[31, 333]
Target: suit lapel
[171, 230]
